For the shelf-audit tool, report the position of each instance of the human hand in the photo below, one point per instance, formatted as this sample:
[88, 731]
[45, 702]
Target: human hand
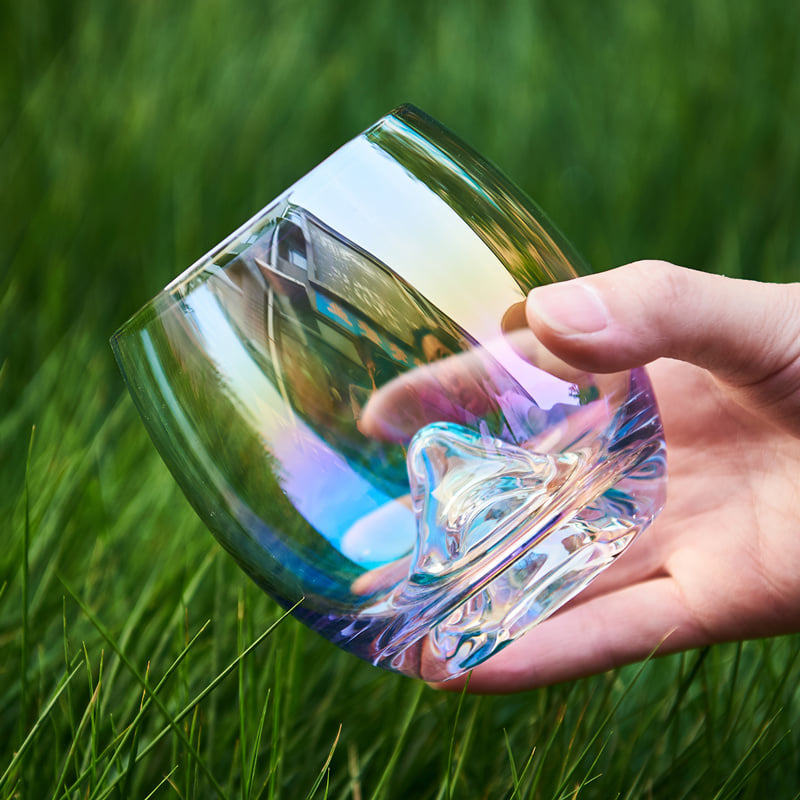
[722, 562]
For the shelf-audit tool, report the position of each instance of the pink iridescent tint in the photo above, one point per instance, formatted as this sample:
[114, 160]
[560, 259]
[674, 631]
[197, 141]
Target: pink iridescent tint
[338, 392]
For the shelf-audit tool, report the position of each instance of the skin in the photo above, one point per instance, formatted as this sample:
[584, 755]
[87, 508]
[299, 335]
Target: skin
[722, 561]
[433, 349]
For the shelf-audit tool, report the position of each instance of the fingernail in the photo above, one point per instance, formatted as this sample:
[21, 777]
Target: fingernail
[569, 308]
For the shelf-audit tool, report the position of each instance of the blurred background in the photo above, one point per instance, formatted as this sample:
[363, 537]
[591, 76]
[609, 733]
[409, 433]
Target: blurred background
[136, 135]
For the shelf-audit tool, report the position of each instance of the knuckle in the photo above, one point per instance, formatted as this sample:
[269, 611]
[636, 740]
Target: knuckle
[672, 283]
[660, 281]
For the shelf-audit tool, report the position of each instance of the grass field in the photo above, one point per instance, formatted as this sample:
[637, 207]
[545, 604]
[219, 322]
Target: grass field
[133, 137]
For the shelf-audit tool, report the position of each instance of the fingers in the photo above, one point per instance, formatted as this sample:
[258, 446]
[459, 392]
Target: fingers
[521, 340]
[449, 390]
[381, 578]
[742, 331]
[466, 386]
[601, 634]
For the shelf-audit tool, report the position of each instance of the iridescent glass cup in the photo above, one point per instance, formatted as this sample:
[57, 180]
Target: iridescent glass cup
[346, 394]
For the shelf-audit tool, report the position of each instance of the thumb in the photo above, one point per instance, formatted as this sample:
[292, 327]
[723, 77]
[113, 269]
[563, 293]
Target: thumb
[746, 333]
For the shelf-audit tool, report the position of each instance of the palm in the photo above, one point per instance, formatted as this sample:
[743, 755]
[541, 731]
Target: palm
[720, 563]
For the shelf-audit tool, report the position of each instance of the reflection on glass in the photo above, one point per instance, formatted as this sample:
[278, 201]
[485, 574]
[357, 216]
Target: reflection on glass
[339, 393]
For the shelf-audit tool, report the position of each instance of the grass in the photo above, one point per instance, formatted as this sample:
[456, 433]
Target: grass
[135, 660]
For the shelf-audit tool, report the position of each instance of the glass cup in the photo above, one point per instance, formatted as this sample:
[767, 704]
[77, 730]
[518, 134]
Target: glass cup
[347, 394]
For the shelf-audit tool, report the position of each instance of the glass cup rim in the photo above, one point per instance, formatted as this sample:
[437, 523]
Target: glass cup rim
[481, 172]
[165, 296]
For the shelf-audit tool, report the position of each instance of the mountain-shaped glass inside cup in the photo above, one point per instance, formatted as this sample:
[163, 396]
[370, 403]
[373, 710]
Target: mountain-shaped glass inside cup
[347, 393]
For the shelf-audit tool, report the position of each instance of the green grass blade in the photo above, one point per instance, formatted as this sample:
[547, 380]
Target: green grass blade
[526, 766]
[605, 721]
[466, 743]
[132, 728]
[324, 771]
[242, 703]
[447, 775]
[257, 745]
[387, 772]
[164, 780]
[538, 772]
[146, 687]
[221, 677]
[730, 779]
[37, 726]
[75, 737]
[26, 544]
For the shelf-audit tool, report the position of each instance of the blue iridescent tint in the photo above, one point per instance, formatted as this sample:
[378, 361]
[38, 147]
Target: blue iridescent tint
[342, 393]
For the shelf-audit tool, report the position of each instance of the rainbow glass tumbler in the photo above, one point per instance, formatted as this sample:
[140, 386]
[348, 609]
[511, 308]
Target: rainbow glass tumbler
[342, 393]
